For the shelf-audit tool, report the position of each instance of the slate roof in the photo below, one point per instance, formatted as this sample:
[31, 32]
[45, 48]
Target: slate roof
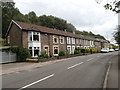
[33, 27]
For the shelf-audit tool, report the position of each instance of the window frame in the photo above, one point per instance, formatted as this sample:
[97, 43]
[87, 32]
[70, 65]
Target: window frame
[55, 46]
[55, 37]
[61, 38]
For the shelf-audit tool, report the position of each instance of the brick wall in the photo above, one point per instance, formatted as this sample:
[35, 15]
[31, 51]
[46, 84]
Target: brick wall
[25, 39]
[15, 36]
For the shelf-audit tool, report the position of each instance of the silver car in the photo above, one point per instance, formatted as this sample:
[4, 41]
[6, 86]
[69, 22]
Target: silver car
[105, 50]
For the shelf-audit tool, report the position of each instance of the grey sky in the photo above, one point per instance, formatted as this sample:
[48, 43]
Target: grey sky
[83, 14]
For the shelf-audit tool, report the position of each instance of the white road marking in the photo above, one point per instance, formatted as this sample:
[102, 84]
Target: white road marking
[75, 65]
[37, 82]
[90, 59]
[106, 77]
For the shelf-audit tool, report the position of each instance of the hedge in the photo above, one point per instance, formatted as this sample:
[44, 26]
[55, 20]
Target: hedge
[22, 53]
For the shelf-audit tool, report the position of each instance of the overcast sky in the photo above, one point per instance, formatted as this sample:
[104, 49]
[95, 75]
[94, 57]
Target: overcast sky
[83, 14]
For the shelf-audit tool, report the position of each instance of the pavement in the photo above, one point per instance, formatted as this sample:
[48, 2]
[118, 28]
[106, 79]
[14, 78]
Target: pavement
[77, 72]
[24, 66]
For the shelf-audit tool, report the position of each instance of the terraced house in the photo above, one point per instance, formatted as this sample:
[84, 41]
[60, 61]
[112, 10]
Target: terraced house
[38, 38]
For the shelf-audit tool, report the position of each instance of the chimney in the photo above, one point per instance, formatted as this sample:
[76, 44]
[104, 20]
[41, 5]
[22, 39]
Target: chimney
[65, 30]
[73, 32]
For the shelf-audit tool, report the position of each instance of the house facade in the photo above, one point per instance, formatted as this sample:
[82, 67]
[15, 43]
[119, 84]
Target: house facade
[40, 39]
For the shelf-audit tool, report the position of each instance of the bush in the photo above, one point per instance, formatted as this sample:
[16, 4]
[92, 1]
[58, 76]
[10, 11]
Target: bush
[61, 53]
[43, 55]
[93, 50]
[87, 50]
[83, 50]
[76, 52]
[67, 53]
[22, 53]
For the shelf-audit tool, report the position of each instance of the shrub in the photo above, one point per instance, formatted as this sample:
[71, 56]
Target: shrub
[93, 50]
[22, 53]
[43, 55]
[76, 51]
[67, 53]
[61, 53]
[83, 50]
[87, 50]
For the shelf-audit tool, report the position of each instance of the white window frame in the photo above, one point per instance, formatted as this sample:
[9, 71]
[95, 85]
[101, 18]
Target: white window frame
[33, 53]
[70, 48]
[73, 49]
[73, 40]
[33, 33]
[77, 41]
[53, 50]
[61, 38]
[68, 40]
[54, 36]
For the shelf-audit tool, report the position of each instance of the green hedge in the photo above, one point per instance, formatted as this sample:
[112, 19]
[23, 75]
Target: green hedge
[62, 53]
[43, 55]
[22, 53]
[76, 51]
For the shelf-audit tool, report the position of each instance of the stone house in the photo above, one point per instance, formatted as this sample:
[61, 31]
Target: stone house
[38, 39]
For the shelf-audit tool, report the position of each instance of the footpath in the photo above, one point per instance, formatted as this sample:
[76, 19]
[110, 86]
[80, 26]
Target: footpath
[23, 66]
[114, 73]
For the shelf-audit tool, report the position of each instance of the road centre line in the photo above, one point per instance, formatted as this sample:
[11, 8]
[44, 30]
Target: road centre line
[90, 59]
[74, 65]
[37, 82]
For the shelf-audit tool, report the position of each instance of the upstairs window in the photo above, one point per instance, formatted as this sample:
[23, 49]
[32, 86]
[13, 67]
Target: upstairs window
[61, 40]
[55, 39]
[35, 36]
[69, 40]
[73, 40]
[77, 41]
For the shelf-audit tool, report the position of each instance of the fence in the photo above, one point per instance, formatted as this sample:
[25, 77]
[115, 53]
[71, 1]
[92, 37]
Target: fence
[7, 57]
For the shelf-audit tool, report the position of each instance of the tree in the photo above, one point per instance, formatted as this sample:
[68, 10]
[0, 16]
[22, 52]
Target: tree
[117, 35]
[7, 14]
[89, 34]
[70, 27]
[31, 16]
[113, 5]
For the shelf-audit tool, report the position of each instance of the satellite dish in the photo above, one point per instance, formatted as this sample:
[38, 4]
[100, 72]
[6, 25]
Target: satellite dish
[98, 1]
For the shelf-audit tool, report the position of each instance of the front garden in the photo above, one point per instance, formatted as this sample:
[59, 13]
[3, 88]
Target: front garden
[23, 54]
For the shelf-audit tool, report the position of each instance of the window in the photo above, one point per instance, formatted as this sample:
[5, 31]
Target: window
[46, 48]
[80, 41]
[77, 41]
[55, 50]
[8, 39]
[73, 40]
[73, 49]
[30, 48]
[34, 36]
[55, 39]
[68, 40]
[69, 49]
[61, 40]
[84, 42]
[34, 51]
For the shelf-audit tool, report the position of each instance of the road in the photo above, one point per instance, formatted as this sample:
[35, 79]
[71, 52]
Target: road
[78, 72]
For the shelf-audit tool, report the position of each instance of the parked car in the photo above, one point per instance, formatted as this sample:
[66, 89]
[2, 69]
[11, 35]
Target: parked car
[117, 49]
[111, 50]
[105, 50]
